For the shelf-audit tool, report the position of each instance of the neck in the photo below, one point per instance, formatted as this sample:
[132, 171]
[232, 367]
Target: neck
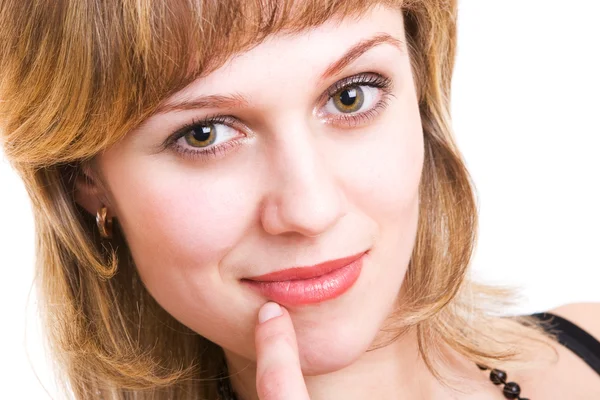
[395, 371]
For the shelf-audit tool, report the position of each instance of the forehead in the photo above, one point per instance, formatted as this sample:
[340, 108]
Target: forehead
[223, 32]
[306, 54]
[203, 35]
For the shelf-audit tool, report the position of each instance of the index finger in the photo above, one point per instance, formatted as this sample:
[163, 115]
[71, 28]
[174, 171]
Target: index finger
[278, 374]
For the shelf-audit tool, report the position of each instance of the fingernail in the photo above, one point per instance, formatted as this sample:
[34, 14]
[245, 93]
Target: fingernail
[268, 311]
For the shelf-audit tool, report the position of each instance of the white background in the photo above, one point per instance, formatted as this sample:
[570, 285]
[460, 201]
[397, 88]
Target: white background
[525, 107]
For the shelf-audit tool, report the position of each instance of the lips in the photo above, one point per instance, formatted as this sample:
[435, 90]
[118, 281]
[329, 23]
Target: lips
[301, 286]
[307, 272]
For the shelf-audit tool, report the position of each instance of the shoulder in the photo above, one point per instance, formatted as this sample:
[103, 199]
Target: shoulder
[585, 315]
[571, 377]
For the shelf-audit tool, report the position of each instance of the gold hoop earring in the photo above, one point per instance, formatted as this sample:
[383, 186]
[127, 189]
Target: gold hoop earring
[104, 225]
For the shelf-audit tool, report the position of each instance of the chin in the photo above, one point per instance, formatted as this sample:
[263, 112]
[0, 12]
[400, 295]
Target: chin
[327, 357]
[334, 345]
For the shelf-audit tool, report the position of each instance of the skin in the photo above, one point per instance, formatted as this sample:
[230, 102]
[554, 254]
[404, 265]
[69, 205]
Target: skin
[300, 188]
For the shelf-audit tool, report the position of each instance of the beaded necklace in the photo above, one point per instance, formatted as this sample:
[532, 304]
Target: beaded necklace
[511, 390]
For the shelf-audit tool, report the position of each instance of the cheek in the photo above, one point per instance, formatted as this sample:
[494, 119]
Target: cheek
[388, 191]
[182, 221]
[387, 181]
[178, 227]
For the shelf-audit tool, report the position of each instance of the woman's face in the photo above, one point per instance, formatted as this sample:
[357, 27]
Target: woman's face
[295, 172]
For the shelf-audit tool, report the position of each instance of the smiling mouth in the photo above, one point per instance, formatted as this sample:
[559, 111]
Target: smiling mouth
[301, 286]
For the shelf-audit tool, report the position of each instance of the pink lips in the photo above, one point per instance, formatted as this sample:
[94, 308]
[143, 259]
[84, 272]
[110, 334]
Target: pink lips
[308, 285]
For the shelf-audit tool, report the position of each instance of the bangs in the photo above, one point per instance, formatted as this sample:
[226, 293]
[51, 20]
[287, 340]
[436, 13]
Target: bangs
[203, 34]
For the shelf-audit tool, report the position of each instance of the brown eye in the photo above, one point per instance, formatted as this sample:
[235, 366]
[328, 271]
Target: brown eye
[354, 101]
[349, 100]
[208, 138]
[201, 135]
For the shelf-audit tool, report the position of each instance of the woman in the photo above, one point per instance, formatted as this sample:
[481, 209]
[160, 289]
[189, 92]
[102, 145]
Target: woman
[242, 199]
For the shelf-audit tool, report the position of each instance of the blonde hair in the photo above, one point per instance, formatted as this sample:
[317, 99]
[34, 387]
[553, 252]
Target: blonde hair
[76, 76]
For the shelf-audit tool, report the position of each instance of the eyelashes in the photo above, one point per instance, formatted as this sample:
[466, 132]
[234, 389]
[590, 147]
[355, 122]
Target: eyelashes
[349, 102]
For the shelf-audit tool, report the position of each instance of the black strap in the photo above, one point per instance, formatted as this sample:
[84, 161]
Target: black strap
[574, 338]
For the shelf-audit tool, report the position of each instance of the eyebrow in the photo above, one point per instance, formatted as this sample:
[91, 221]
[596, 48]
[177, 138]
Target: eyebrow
[358, 50]
[212, 101]
[238, 101]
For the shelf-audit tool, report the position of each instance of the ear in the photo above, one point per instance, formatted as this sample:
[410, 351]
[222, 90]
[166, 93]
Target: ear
[90, 192]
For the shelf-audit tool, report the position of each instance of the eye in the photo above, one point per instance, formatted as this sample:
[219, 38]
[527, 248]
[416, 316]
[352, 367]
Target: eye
[200, 136]
[356, 100]
[205, 133]
[352, 99]
[210, 137]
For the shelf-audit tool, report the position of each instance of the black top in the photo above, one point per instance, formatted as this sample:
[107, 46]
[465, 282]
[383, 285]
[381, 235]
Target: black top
[574, 338]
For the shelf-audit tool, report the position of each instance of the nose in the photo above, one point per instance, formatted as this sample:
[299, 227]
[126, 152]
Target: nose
[304, 195]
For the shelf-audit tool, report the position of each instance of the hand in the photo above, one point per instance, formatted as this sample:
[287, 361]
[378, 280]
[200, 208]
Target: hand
[278, 372]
